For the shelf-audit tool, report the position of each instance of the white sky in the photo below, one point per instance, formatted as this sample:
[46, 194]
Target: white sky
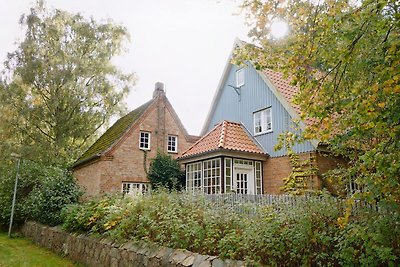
[182, 43]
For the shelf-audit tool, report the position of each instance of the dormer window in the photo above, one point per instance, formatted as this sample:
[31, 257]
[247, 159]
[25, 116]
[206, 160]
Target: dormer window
[240, 77]
[144, 141]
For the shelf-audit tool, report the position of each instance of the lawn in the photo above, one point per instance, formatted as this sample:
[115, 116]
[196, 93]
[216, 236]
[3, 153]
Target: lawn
[21, 252]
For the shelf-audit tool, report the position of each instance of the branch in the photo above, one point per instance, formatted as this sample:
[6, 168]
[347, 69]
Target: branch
[387, 34]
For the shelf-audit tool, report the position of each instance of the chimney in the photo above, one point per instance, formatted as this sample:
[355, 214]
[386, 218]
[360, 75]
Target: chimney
[159, 89]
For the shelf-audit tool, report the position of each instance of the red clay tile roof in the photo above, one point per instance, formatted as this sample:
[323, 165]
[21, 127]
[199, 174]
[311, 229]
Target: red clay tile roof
[286, 89]
[226, 135]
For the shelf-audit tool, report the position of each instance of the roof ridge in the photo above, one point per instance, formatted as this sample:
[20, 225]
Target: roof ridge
[253, 138]
[222, 135]
[225, 136]
[201, 138]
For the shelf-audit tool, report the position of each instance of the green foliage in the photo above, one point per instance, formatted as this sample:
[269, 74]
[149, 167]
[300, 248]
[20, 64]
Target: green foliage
[344, 56]
[55, 189]
[88, 217]
[165, 172]
[310, 232]
[60, 86]
[41, 193]
[301, 177]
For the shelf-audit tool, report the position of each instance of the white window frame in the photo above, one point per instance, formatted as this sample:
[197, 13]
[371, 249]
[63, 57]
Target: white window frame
[258, 177]
[134, 188]
[141, 143]
[212, 173]
[175, 146]
[265, 121]
[194, 177]
[228, 175]
[240, 74]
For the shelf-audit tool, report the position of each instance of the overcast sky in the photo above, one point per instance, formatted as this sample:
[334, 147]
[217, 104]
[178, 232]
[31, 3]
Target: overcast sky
[182, 43]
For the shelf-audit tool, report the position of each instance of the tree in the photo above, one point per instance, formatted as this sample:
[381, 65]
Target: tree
[165, 172]
[60, 85]
[345, 57]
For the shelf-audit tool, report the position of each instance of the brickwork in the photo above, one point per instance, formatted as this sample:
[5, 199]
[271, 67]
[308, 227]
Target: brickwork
[125, 161]
[276, 169]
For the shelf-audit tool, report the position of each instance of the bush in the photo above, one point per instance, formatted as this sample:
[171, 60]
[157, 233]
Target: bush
[55, 189]
[165, 172]
[41, 193]
[309, 233]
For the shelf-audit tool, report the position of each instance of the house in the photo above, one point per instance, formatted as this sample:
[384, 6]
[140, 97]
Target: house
[118, 161]
[249, 111]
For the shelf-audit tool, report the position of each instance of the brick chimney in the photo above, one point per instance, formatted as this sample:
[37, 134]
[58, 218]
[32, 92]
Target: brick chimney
[159, 89]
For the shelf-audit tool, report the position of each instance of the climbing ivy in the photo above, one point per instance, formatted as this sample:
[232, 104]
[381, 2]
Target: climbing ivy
[301, 177]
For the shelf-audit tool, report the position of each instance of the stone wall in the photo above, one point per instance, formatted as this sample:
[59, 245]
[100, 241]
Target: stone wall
[93, 251]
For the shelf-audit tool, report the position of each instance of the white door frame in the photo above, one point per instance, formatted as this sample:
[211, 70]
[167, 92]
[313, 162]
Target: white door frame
[249, 170]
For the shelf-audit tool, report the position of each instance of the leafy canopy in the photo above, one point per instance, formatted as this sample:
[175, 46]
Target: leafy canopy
[345, 57]
[60, 86]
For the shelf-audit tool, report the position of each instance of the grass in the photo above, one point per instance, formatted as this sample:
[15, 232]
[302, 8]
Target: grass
[17, 251]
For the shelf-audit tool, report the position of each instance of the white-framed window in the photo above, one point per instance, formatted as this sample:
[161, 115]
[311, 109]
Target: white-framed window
[135, 188]
[263, 121]
[212, 176]
[240, 77]
[144, 140]
[258, 175]
[172, 144]
[243, 162]
[193, 177]
[228, 175]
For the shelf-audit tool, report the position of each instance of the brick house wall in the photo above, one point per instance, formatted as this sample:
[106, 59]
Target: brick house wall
[278, 168]
[125, 161]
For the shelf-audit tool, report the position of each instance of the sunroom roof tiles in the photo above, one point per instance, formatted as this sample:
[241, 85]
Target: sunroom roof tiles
[226, 135]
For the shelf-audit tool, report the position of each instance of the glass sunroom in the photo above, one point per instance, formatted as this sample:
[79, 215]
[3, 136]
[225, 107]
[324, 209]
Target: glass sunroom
[226, 160]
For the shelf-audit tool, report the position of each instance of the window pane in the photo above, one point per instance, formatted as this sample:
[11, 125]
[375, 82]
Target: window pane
[144, 140]
[134, 188]
[240, 77]
[262, 121]
[172, 143]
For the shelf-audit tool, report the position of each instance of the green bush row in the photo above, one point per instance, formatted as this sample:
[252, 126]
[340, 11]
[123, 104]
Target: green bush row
[42, 192]
[312, 233]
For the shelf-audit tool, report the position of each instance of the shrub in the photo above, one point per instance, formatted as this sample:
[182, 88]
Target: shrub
[55, 189]
[26, 181]
[308, 233]
[41, 193]
[165, 172]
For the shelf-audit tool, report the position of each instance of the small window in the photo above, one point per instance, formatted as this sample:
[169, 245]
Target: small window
[262, 121]
[144, 142]
[240, 77]
[172, 143]
[134, 188]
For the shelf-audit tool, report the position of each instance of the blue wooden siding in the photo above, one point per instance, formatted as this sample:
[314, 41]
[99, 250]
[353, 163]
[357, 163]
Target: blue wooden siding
[255, 95]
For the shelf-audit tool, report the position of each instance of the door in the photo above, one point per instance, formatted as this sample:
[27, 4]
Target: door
[243, 181]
